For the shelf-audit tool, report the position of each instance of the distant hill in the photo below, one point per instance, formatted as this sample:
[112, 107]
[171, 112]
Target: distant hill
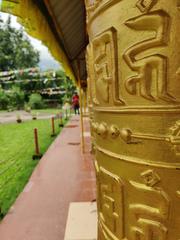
[46, 64]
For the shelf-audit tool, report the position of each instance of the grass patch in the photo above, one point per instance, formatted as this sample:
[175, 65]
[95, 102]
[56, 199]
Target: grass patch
[47, 111]
[16, 150]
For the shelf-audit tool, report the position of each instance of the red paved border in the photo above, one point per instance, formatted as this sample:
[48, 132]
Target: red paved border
[63, 175]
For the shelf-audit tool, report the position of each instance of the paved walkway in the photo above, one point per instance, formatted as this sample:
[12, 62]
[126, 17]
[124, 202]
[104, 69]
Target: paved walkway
[62, 176]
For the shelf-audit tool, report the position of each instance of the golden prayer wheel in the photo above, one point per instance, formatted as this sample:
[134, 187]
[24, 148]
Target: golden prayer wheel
[134, 82]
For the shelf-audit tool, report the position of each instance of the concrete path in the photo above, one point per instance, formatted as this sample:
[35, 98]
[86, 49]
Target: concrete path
[62, 176]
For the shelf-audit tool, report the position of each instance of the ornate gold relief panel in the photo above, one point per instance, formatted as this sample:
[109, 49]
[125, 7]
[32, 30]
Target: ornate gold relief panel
[151, 58]
[157, 22]
[105, 69]
[110, 204]
[144, 204]
[151, 79]
[150, 217]
[127, 141]
[146, 67]
[136, 77]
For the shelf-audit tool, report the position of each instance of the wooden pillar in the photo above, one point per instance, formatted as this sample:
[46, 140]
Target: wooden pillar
[81, 118]
[84, 96]
[85, 102]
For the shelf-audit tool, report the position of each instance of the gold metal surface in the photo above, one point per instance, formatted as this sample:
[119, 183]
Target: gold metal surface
[133, 62]
[81, 119]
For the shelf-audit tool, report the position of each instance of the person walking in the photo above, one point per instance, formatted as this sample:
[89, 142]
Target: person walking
[75, 103]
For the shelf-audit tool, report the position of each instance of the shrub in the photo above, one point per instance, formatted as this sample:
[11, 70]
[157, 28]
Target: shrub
[36, 101]
[27, 108]
[4, 100]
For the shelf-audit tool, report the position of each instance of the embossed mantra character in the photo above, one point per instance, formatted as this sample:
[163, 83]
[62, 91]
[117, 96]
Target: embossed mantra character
[158, 23]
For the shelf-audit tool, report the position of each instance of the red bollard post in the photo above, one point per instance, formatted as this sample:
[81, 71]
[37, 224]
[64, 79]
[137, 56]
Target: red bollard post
[53, 127]
[37, 154]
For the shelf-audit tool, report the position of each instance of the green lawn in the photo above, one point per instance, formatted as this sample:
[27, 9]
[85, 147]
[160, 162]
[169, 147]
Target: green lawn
[16, 150]
[47, 110]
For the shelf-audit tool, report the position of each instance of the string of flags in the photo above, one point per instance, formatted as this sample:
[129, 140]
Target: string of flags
[44, 80]
[30, 72]
[52, 91]
[47, 91]
[20, 71]
[32, 75]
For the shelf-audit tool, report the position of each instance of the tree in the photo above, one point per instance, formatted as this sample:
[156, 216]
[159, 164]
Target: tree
[16, 50]
[67, 85]
[17, 98]
[4, 100]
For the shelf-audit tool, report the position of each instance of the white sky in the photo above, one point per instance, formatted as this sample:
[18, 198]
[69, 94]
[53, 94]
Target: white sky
[46, 60]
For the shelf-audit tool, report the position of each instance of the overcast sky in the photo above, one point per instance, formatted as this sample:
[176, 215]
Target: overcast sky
[46, 60]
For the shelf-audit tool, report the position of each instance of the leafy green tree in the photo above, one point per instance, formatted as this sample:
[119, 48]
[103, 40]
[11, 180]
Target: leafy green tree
[16, 50]
[4, 100]
[16, 97]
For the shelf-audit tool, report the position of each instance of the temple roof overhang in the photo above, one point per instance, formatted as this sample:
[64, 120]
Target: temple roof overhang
[60, 25]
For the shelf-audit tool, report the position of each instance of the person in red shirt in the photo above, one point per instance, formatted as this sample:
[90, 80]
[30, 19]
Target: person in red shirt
[75, 103]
